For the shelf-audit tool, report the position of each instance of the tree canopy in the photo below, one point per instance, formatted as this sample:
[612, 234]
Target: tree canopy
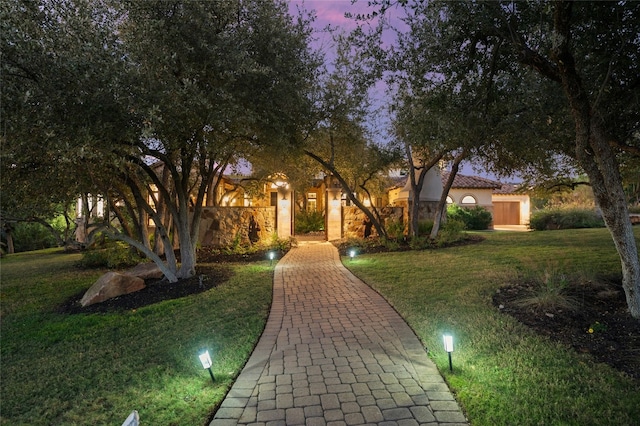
[154, 98]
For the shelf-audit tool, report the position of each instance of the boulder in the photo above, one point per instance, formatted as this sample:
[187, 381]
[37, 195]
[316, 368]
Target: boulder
[145, 271]
[111, 284]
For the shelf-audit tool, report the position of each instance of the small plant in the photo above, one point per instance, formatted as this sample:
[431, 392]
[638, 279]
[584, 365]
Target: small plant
[549, 292]
[596, 327]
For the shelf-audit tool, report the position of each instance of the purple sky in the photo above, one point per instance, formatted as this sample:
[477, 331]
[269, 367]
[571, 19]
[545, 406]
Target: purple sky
[332, 12]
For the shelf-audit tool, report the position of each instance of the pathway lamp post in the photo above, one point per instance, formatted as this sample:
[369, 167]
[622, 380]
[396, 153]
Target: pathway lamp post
[205, 359]
[352, 254]
[272, 256]
[448, 347]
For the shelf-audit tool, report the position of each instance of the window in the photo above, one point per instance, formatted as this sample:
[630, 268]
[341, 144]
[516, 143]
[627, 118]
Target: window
[312, 202]
[449, 200]
[468, 199]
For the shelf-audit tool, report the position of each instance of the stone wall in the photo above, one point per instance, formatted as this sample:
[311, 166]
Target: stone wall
[355, 222]
[427, 211]
[220, 226]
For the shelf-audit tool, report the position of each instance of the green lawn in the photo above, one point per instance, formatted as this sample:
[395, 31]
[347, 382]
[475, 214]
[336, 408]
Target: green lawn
[504, 374]
[95, 368]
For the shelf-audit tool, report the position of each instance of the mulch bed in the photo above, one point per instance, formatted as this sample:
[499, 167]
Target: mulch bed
[159, 290]
[154, 292]
[601, 326]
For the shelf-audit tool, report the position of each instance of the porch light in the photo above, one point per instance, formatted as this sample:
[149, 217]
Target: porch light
[205, 359]
[367, 202]
[448, 347]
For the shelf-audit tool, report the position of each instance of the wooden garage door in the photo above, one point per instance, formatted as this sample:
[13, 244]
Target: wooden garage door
[506, 213]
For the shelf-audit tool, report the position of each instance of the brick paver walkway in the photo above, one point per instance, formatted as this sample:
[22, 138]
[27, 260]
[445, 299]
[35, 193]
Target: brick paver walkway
[335, 353]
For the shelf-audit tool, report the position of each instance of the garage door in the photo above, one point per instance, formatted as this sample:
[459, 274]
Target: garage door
[506, 213]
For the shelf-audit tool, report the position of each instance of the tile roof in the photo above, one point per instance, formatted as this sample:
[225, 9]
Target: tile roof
[465, 182]
[471, 182]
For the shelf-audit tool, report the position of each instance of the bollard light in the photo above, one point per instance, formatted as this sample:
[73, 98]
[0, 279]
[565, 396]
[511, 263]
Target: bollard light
[205, 359]
[448, 347]
[272, 256]
[352, 254]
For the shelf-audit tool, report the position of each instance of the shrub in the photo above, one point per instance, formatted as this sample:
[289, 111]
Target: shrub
[425, 227]
[451, 232]
[395, 229]
[309, 221]
[110, 254]
[548, 291]
[31, 236]
[565, 219]
[475, 218]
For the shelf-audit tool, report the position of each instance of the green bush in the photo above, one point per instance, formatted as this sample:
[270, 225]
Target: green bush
[475, 218]
[110, 254]
[31, 236]
[573, 218]
[309, 221]
[451, 232]
[395, 229]
[425, 227]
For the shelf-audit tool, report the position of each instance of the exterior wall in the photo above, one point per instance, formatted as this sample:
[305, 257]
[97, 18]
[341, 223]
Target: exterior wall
[354, 223]
[525, 205]
[483, 196]
[220, 225]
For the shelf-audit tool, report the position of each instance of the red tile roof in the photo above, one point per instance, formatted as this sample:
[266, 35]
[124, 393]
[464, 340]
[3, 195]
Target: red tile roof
[471, 182]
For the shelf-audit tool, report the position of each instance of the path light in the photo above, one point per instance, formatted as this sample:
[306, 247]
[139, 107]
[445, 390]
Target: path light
[448, 347]
[272, 256]
[205, 359]
[352, 254]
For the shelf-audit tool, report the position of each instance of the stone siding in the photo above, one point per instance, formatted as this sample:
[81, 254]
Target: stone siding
[355, 221]
[220, 226]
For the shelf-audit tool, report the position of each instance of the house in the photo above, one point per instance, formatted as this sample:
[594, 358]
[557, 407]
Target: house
[507, 205]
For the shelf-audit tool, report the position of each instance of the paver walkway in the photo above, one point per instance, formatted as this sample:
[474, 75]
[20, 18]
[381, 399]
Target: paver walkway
[335, 353]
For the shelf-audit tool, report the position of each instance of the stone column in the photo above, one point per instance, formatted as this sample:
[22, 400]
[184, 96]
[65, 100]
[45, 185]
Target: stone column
[334, 213]
[285, 205]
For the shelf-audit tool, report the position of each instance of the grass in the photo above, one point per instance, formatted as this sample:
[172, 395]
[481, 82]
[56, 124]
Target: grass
[61, 369]
[504, 374]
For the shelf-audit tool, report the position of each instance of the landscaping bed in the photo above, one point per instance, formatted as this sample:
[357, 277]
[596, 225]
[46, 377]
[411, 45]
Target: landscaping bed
[600, 325]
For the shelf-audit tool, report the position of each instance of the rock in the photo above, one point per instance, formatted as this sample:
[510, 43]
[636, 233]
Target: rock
[110, 285]
[145, 271]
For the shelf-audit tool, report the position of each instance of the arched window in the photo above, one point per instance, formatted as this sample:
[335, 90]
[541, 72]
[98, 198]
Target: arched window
[468, 199]
[449, 200]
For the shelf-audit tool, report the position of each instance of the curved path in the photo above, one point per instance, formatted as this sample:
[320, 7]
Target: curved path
[335, 353]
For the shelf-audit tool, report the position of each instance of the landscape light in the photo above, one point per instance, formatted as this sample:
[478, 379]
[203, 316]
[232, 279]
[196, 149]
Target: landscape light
[352, 253]
[272, 256]
[448, 347]
[205, 359]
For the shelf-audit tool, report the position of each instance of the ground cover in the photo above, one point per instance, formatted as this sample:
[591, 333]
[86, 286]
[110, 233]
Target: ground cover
[66, 365]
[507, 371]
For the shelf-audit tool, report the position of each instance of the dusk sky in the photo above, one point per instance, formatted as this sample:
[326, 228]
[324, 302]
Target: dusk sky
[332, 12]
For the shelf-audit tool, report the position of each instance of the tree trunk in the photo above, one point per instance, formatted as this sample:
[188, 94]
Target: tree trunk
[442, 203]
[597, 158]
